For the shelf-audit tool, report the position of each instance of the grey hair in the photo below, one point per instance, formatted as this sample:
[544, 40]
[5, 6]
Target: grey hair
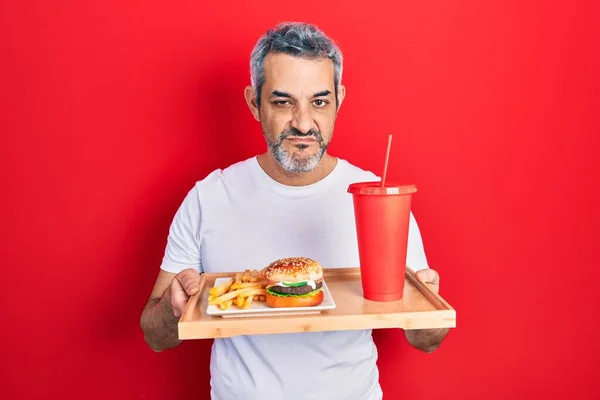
[299, 40]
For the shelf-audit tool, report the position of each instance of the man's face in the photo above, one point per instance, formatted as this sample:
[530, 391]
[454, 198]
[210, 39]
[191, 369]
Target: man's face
[298, 110]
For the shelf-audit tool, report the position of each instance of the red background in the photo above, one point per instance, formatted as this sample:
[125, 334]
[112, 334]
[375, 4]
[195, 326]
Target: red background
[110, 111]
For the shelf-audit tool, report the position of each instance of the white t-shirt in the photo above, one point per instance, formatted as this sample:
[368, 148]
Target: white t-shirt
[240, 218]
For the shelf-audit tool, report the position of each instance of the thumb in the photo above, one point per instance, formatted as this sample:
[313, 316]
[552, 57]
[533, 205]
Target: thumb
[189, 280]
[430, 277]
[426, 275]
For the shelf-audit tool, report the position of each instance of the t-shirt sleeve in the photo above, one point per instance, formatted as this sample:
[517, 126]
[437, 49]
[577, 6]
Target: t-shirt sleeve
[183, 243]
[415, 255]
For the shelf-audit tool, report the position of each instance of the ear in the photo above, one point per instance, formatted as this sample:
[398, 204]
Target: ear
[250, 95]
[341, 96]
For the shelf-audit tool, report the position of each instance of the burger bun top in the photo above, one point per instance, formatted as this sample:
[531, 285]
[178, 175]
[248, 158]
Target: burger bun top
[293, 269]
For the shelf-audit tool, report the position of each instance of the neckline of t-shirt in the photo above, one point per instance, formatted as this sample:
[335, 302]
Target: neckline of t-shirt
[298, 190]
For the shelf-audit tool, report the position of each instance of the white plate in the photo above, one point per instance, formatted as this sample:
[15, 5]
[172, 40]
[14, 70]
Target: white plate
[261, 309]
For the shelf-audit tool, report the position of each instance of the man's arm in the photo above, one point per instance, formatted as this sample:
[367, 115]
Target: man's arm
[427, 340]
[166, 304]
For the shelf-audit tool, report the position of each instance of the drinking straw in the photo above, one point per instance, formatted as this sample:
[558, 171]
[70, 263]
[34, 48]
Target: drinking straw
[387, 158]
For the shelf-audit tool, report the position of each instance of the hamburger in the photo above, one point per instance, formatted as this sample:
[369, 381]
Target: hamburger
[294, 282]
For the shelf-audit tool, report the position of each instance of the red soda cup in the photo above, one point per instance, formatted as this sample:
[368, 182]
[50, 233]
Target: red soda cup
[382, 217]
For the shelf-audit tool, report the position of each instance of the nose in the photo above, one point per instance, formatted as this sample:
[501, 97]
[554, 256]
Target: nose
[302, 120]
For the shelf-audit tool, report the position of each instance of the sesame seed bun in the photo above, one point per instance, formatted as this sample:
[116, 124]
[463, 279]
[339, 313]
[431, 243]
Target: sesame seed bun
[293, 269]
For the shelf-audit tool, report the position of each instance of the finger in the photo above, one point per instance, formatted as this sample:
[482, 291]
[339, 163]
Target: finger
[429, 276]
[178, 298]
[190, 281]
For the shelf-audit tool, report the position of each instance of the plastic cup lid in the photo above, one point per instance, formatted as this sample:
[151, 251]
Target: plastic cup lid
[374, 188]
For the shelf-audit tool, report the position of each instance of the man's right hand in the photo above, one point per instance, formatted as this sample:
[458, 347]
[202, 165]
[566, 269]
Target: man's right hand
[184, 285]
[166, 304]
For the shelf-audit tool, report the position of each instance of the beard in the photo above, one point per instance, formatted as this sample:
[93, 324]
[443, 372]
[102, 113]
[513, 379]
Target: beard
[299, 161]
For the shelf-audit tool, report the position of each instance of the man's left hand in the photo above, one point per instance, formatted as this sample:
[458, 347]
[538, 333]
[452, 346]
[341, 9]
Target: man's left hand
[427, 340]
[430, 277]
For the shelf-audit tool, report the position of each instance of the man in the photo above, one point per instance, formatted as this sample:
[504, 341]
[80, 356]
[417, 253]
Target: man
[291, 200]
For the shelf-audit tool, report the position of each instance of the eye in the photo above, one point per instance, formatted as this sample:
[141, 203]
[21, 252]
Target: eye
[281, 103]
[320, 103]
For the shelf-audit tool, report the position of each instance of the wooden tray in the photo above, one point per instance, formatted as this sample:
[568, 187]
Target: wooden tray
[420, 308]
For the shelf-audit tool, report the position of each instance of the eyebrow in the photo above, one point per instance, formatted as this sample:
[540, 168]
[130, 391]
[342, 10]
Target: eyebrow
[278, 93]
[323, 93]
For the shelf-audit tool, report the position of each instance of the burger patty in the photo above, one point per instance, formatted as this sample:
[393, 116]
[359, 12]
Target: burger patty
[295, 289]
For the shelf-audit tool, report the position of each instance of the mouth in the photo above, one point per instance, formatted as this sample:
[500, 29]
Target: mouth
[306, 140]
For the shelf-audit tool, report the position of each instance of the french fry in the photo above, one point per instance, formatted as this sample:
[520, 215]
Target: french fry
[225, 305]
[240, 301]
[248, 302]
[230, 295]
[240, 290]
[246, 285]
[247, 276]
[221, 289]
[252, 292]
[259, 279]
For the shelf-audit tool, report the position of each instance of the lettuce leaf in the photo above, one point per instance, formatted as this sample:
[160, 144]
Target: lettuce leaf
[309, 294]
